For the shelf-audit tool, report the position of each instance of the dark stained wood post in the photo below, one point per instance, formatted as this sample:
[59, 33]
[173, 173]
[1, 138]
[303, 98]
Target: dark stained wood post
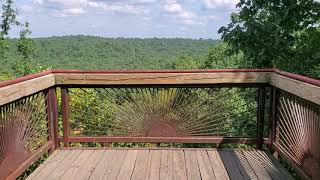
[65, 115]
[52, 116]
[272, 123]
[260, 116]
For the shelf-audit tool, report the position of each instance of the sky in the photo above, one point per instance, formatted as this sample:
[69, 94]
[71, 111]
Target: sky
[126, 18]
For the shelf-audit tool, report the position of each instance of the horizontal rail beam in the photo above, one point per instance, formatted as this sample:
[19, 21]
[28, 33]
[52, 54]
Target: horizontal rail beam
[161, 78]
[21, 89]
[200, 140]
[304, 90]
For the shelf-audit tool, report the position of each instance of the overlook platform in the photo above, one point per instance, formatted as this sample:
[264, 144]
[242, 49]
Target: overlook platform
[160, 164]
[170, 124]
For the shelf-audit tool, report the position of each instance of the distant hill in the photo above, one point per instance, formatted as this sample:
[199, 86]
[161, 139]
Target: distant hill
[88, 52]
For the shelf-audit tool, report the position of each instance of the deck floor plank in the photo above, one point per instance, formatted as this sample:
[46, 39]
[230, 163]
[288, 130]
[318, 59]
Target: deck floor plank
[230, 164]
[217, 165]
[192, 166]
[113, 170]
[84, 171]
[156, 164]
[205, 166]
[154, 172]
[141, 166]
[49, 165]
[256, 165]
[128, 165]
[166, 169]
[80, 162]
[102, 165]
[179, 165]
[64, 165]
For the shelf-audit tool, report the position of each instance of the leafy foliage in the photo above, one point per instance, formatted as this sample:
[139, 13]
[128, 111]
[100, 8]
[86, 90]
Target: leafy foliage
[284, 34]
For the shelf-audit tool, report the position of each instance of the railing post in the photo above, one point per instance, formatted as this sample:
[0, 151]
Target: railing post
[52, 116]
[65, 115]
[260, 116]
[273, 123]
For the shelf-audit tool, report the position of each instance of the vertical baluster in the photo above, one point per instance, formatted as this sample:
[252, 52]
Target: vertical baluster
[65, 115]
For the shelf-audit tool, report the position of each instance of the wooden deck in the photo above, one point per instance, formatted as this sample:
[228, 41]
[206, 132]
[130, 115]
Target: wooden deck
[160, 164]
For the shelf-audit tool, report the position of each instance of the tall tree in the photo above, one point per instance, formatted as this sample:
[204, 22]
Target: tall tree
[25, 46]
[282, 33]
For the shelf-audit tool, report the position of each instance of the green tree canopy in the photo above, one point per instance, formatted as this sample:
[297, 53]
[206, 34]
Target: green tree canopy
[281, 33]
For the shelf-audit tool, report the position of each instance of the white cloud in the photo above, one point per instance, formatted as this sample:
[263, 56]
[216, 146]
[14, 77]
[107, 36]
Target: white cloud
[173, 8]
[220, 3]
[213, 18]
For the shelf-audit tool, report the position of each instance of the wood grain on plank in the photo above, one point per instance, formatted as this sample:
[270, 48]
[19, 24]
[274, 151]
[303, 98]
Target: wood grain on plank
[179, 166]
[217, 164]
[256, 164]
[50, 159]
[49, 165]
[128, 165]
[81, 161]
[154, 172]
[85, 170]
[231, 166]
[64, 165]
[243, 165]
[116, 163]
[304, 90]
[103, 164]
[141, 166]
[16, 91]
[192, 166]
[205, 166]
[166, 169]
[162, 78]
[276, 165]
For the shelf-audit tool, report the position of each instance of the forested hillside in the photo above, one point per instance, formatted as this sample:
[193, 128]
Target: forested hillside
[88, 52]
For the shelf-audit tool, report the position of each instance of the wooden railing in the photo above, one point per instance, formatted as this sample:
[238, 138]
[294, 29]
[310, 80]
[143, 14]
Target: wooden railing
[266, 108]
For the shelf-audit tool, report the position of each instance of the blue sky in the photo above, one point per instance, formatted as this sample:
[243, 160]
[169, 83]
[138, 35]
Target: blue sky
[126, 18]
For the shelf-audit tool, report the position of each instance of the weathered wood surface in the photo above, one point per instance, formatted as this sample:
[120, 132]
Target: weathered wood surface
[25, 88]
[173, 164]
[161, 78]
[302, 89]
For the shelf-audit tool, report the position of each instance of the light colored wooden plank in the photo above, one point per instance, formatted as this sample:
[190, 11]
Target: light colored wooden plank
[179, 166]
[113, 170]
[128, 165]
[256, 165]
[205, 166]
[103, 164]
[154, 172]
[81, 160]
[64, 165]
[84, 171]
[304, 90]
[166, 169]
[231, 166]
[50, 159]
[162, 78]
[193, 172]
[16, 91]
[141, 166]
[218, 167]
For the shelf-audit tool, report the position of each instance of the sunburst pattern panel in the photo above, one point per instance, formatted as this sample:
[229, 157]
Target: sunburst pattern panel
[229, 112]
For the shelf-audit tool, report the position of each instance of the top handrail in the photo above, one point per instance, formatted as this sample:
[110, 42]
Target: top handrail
[280, 79]
[305, 79]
